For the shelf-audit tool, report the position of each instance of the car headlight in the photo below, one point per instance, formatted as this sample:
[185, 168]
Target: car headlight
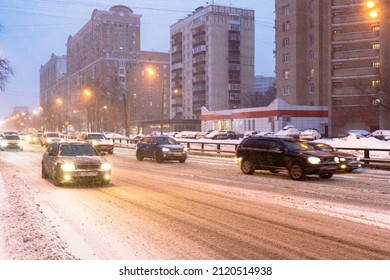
[68, 166]
[49, 140]
[105, 166]
[342, 159]
[4, 143]
[185, 149]
[94, 142]
[165, 150]
[20, 143]
[314, 160]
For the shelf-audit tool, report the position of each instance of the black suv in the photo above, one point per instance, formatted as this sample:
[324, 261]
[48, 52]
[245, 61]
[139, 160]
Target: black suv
[160, 148]
[275, 154]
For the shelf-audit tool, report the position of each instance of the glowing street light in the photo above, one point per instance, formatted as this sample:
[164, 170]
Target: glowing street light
[373, 9]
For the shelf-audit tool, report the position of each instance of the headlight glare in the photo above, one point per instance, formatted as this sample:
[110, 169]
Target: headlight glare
[165, 150]
[314, 160]
[68, 166]
[105, 166]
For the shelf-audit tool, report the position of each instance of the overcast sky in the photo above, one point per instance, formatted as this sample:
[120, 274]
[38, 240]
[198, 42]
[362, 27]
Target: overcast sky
[34, 29]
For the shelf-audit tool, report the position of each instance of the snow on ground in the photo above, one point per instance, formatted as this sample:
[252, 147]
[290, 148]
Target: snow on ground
[354, 142]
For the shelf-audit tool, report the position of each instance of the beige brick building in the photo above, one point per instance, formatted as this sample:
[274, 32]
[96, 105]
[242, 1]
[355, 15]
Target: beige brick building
[332, 53]
[212, 61]
[104, 58]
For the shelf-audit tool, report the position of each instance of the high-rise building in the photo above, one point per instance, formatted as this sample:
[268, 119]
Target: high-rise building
[212, 61]
[107, 87]
[334, 53]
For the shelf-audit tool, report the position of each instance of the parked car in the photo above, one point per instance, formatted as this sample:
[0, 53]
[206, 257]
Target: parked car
[381, 134]
[289, 131]
[99, 141]
[9, 142]
[160, 148]
[50, 137]
[358, 132]
[1, 135]
[211, 134]
[70, 162]
[309, 134]
[250, 133]
[348, 162]
[275, 154]
[226, 134]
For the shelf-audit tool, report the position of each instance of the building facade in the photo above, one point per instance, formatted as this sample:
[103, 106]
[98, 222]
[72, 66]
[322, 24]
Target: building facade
[212, 61]
[271, 118]
[107, 87]
[333, 53]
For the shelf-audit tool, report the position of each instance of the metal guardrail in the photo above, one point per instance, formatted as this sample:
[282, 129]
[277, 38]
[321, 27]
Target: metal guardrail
[228, 148]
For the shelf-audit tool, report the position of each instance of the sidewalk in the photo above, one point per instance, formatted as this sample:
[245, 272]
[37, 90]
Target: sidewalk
[3, 255]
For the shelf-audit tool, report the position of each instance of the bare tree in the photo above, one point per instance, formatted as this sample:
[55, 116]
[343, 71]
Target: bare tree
[6, 71]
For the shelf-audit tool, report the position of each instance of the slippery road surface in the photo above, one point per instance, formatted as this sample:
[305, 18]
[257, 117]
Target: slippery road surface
[204, 208]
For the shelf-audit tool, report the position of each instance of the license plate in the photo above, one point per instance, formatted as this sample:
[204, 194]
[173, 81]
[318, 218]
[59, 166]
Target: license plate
[177, 154]
[88, 173]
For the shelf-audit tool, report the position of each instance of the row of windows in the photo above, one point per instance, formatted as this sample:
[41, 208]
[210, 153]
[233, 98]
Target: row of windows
[286, 89]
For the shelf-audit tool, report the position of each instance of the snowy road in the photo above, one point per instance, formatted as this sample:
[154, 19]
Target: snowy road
[202, 209]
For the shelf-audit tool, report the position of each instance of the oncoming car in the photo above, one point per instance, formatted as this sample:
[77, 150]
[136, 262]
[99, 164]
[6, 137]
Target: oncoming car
[348, 162]
[99, 141]
[160, 148]
[276, 154]
[11, 142]
[71, 162]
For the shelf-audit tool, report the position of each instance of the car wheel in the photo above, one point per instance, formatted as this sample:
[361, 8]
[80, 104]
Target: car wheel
[56, 179]
[159, 157]
[110, 152]
[296, 172]
[247, 167]
[326, 175]
[182, 160]
[139, 155]
[44, 173]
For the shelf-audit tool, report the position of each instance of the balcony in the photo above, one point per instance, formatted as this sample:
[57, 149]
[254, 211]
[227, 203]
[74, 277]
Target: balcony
[345, 3]
[356, 54]
[356, 36]
[353, 72]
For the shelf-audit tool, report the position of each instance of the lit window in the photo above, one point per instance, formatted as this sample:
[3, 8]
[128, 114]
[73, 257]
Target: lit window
[312, 72]
[375, 46]
[375, 83]
[286, 74]
[376, 64]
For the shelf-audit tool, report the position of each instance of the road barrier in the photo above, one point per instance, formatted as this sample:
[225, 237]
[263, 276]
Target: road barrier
[227, 148]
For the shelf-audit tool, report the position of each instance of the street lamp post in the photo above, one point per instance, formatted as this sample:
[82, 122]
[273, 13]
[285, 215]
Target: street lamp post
[152, 72]
[59, 103]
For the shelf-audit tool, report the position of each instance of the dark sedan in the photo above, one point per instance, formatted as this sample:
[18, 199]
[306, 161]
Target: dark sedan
[71, 162]
[348, 162]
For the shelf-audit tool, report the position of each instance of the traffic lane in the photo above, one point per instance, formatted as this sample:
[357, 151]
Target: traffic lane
[362, 188]
[168, 213]
[189, 205]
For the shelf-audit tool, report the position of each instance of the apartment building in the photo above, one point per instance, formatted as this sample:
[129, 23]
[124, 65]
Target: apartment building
[212, 61]
[332, 53]
[106, 85]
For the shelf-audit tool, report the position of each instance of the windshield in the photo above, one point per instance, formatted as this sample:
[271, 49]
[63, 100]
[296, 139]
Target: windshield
[12, 137]
[166, 141]
[297, 146]
[52, 135]
[77, 150]
[96, 136]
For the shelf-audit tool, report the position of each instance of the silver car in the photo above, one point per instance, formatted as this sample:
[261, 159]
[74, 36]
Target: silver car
[71, 162]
